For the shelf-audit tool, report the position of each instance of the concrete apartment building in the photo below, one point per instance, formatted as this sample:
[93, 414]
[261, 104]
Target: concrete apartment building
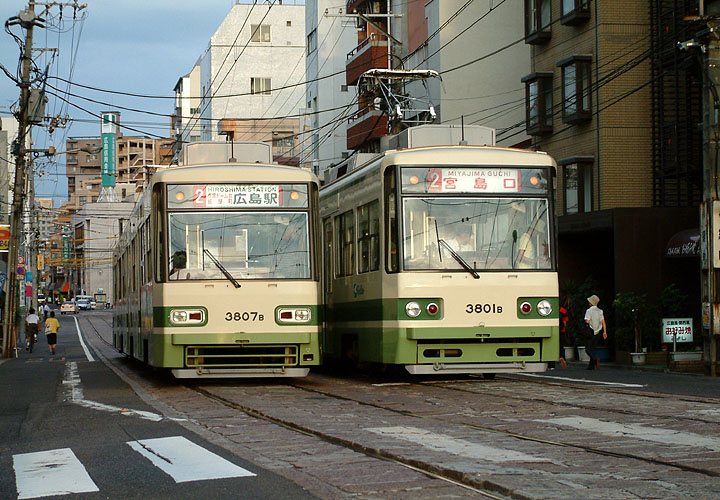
[257, 51]
[330, 37]
[137, 159]
[185, 124]
[591, 105]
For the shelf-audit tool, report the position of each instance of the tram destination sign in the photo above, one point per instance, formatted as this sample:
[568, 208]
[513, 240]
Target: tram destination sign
[237, 196]
[472, 180]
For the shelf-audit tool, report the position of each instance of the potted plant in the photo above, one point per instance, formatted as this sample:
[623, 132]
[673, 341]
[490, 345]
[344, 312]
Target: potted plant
[633, 317]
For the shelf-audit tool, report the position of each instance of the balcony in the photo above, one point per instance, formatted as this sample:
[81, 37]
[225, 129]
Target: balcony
[369, 54]
[371, 124]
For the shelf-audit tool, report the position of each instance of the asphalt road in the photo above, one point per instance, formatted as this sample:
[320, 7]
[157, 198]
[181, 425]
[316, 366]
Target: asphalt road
[69, 424]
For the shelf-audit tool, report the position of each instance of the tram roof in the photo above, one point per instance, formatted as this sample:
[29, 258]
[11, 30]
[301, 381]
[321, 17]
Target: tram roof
[234, 172]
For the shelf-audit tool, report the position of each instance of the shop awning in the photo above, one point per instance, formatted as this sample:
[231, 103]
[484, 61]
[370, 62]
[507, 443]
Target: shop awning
[684, 244]
[65, 288]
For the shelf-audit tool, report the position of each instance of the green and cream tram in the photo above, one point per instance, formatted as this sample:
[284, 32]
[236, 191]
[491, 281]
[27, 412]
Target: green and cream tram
[216, 273]
[442, 259]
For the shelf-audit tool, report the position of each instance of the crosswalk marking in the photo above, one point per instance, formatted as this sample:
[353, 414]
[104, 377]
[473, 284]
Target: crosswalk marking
[664, 436]
[49, 473]
[185, 461]
[449, 444]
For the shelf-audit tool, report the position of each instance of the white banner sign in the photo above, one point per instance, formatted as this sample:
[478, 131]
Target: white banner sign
[473, 180]
[680, 327]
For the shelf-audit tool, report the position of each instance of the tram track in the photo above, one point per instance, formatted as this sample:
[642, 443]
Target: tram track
[621, 411]
[485, 488]
[447, 474]
[524, 437]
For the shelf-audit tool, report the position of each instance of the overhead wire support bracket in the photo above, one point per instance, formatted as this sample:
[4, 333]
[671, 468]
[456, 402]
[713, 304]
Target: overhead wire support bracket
[387, 86]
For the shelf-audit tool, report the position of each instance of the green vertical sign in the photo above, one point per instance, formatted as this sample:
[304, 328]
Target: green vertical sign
[66, 247]
[109, 145]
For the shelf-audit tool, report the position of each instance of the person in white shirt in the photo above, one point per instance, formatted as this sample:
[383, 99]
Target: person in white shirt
[32, 327]
[595, 319]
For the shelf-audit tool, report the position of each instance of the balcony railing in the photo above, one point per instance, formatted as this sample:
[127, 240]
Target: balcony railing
[369, 54]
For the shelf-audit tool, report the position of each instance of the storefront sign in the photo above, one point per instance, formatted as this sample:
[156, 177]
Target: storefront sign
[678, 329]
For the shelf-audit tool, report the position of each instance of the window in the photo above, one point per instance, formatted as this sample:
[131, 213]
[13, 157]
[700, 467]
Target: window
[260, 86]
[345, 227]
[260, 32]
[288, 23]
[283, 139]
[369, 237]
[576, 97]
[312, 42]
[577, 181]
[392, 262]
[574, 12]
[538, 103]
[538, 19]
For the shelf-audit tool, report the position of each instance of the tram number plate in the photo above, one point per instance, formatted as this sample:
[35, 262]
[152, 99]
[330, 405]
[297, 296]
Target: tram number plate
[244, 316]
[483, 309]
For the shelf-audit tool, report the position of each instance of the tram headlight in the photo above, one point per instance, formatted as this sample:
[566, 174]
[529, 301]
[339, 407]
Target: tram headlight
[187, 316]
[544, 308]
[413, 309]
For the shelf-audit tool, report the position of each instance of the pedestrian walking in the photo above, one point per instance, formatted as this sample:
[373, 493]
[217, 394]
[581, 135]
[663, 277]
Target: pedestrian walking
[595, 319]
[32, 327]
[52, 325]
[45, 311]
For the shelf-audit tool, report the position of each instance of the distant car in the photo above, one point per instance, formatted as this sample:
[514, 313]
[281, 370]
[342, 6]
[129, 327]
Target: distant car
[68, 307]
[83, 304]
[93, 304]
[41, 299]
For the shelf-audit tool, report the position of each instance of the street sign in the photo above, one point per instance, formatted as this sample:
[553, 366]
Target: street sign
[680, 328]
[21, 259]
[20, 270]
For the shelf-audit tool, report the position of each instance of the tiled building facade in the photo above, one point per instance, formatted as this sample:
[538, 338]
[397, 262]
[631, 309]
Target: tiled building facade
[590, 103]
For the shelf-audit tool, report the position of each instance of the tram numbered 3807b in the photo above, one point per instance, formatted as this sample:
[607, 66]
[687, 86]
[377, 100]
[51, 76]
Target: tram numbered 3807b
[216, 273]
[442, 259]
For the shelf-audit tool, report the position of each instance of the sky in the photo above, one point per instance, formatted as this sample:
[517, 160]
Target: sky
[134, 46]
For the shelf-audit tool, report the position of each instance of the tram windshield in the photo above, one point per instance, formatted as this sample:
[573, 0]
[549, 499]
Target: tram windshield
[247, 245]
[485, 233]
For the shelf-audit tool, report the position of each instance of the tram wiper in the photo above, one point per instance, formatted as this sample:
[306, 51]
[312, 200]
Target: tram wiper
[222, 268]
[459, 259]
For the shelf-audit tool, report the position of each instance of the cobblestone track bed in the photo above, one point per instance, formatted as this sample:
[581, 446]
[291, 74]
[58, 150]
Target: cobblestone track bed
[261, 419]
[359, 406]
[633, 402]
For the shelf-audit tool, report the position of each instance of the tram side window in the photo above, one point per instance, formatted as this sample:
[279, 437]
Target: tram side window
[368, 237]
[158, 211]
[391, 241]
[327, 254]
[345, 250]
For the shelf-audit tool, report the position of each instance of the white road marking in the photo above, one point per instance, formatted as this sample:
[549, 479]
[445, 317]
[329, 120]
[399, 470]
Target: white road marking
[82, 342]
[448, 444]
[585, 381]
[50, 473]
[75, 394]
[636, 431]
[185, 461]
[388, 384]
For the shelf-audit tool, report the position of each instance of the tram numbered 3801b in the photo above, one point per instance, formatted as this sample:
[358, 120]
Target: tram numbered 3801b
[442, 259]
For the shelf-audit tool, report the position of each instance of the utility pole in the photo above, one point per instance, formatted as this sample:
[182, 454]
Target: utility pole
[707, 47]
[28, 20]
